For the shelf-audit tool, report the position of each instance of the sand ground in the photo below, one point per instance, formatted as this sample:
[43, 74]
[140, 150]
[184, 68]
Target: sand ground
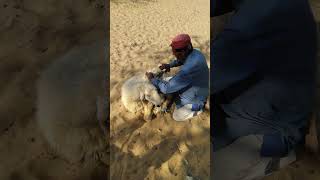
[33, 34]
[140, 34]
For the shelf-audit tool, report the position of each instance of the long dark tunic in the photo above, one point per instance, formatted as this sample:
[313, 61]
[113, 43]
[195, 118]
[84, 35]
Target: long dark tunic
[263, 72]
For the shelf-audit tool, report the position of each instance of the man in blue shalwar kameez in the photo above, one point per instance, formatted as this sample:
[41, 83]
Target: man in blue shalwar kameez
[262, 85]
[191, 84]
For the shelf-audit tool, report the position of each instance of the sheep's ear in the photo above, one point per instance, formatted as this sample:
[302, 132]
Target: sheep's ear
[147, 97]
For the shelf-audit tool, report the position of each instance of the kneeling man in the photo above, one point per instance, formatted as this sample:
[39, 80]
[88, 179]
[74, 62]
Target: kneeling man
[190, 86]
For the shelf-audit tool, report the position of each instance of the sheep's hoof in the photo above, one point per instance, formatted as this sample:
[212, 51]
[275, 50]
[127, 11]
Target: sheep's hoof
[165, 110]
[157, 110]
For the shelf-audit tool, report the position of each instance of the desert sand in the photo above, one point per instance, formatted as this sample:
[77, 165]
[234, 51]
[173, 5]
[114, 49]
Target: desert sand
[140, 34]
[32, 35]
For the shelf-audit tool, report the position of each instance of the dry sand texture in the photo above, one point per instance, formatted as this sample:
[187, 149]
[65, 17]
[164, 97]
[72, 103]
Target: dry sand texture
[139, 39]
[33, 34]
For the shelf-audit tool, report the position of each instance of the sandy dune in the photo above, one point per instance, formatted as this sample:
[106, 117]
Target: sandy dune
[140, 34]
[33, 34]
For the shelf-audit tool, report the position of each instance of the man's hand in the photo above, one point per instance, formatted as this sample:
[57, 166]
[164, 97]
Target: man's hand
[165, 66]
[149, 75]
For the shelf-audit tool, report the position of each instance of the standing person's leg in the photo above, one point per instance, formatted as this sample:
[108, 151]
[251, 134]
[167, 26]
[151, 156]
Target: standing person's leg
[218, 131]
[259, 147]
[102, 112]
[242, 160]
[248, 142]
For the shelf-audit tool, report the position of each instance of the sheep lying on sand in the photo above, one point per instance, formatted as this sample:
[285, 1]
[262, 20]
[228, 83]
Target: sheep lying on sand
[67, 103]
[138, 94]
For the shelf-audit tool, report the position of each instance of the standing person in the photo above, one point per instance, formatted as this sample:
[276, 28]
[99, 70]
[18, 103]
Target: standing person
[263, 85]
[191, 84]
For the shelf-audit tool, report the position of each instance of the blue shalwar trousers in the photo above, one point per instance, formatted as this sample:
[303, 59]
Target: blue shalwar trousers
[263, 74]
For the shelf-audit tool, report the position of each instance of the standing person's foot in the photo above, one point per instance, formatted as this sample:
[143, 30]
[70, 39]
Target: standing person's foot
[267, 166]
[313, 136]
[241, 160]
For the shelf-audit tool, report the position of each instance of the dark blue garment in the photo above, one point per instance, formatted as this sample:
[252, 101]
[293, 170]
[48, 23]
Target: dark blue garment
[274, 43]
[219, 7]
[274, 145]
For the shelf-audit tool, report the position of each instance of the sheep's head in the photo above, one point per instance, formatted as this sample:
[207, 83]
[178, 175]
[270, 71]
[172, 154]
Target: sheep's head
[152, 95]
[156, 71]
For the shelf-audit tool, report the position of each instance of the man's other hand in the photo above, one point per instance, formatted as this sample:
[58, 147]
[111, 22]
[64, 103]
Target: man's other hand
[165, 66]
[149, 75]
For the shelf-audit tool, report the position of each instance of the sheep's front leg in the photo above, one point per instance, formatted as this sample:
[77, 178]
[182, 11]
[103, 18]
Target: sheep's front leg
[148, 110]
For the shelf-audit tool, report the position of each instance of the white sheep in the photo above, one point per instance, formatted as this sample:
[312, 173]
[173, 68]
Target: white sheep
[139, 94]
[67, 103]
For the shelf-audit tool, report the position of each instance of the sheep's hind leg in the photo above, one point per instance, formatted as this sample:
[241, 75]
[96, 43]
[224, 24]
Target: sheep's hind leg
[148, 110]
[166, 105]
